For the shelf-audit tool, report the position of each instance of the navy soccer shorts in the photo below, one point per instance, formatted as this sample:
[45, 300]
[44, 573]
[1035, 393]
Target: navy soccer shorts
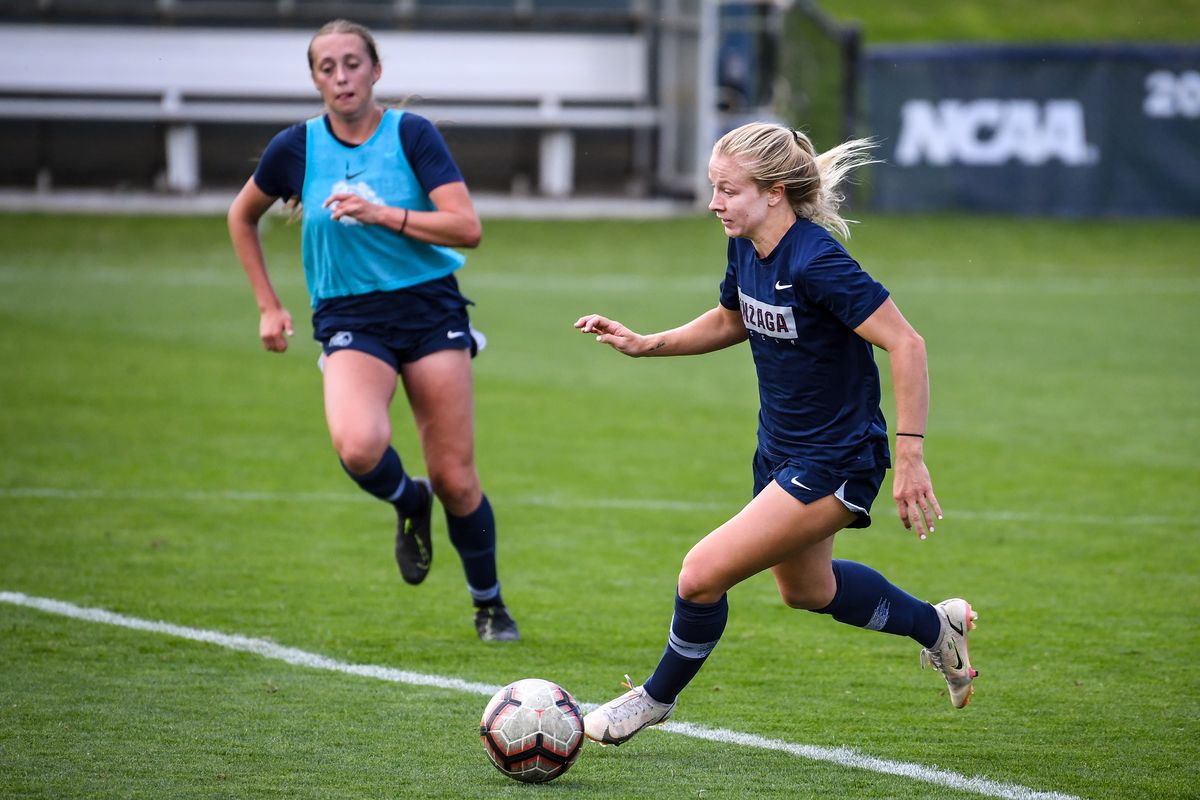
[398, 327]
[808, 481]
[398, 348]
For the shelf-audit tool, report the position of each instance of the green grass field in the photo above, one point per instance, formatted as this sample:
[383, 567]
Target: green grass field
[156, 463]
[1009, 21]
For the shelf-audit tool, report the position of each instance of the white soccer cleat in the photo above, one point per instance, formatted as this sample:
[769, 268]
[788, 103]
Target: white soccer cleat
[949, 655]
[618, 720]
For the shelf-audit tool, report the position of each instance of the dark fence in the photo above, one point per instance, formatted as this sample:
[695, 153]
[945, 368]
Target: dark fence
[1061, 131]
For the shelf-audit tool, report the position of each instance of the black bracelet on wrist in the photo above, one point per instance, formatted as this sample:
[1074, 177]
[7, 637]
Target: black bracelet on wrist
[404, 224]
[914, 435]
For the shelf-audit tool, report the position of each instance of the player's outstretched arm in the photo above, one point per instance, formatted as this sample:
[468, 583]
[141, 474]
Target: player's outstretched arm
[714, 329]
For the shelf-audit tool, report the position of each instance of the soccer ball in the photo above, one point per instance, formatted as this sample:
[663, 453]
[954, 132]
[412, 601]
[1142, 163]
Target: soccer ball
[532, 730]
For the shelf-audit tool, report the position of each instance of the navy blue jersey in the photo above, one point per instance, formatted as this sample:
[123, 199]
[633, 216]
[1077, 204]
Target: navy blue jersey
[818, 384]
[280, 171]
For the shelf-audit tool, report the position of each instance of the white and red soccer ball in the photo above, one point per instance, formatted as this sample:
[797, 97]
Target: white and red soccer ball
[532, 730]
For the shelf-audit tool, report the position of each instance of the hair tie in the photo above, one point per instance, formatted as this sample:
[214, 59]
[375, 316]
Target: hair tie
[795, 135]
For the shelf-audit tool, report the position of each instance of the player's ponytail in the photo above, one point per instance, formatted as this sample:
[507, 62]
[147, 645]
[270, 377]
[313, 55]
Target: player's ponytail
[774, 154]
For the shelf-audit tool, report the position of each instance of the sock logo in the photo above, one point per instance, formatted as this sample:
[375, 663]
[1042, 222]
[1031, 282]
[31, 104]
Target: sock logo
[880, 617]
[693, 651]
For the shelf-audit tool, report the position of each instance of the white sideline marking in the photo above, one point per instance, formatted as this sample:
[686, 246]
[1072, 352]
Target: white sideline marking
[843, 756]
[245, 644]
[849, 757]
[632, 504]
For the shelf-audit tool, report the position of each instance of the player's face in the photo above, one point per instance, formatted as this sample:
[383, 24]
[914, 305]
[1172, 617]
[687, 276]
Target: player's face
[736, 200]
[344, 73]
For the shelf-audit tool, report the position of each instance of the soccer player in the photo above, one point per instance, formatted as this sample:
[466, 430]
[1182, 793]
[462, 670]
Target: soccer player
[383, 204]
[812, 316]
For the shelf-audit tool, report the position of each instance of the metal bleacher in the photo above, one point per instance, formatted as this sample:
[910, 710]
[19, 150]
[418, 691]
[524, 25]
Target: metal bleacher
[519, 87]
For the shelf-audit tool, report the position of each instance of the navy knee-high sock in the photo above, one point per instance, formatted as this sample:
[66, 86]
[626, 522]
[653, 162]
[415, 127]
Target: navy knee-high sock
[868, 600]
[387, 481]
[474, 537]
[695, 630]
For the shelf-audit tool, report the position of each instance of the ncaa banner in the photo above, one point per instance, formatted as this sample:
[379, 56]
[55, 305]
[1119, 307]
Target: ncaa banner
[1062, 131]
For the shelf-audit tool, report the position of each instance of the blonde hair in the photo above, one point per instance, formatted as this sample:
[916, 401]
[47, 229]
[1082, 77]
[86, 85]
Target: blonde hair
[773, 154]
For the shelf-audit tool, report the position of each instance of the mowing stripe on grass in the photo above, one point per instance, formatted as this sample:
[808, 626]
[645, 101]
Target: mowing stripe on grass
[40, 272]
[552, 501]
[843, 756]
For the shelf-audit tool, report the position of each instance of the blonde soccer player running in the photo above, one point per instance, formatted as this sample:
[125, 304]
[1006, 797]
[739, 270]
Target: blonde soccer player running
[812, 317]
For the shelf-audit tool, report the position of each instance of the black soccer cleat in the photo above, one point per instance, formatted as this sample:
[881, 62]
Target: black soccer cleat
[414, 545]
[495, 624]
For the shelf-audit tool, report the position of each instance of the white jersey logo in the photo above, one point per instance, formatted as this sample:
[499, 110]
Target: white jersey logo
[992, 132]
[778, 322]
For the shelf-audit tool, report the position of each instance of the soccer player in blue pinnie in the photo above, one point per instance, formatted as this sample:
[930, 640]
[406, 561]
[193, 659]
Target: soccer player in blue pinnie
[383, 204]
[812, 316]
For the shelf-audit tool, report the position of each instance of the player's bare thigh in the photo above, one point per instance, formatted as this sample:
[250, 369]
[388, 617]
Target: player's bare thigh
[806, 579]
[358, 390]
[773, 529]
[440, 391]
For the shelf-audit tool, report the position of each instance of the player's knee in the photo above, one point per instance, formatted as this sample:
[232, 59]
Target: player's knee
[360, 461]
[360, 453]
[699, 584]
[806, 598]
[801, 601]
[457, 488]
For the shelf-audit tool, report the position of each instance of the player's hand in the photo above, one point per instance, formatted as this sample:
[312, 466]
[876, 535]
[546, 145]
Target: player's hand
[912, 489]
[613, 334]
[274, 328]
[348, 204]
